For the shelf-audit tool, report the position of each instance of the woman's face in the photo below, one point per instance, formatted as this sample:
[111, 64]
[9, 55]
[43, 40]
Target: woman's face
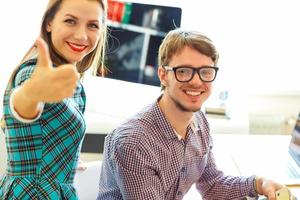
[75, 29]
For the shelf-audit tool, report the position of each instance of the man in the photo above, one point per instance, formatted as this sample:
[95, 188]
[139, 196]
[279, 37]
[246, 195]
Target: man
[160, 152]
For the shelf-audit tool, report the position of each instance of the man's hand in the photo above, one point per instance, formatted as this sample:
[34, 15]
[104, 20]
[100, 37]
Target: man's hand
[267, 187]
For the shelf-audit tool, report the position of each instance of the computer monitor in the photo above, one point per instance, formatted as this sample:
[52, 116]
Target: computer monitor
[134, 39]
[295, 141]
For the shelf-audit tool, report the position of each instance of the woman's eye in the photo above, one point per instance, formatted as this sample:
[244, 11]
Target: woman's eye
[95, 26]
[70, 21]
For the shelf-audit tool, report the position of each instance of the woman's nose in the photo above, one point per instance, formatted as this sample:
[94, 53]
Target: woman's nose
[81, 33]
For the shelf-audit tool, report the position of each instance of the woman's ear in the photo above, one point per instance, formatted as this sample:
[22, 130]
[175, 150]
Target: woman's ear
[48, 28]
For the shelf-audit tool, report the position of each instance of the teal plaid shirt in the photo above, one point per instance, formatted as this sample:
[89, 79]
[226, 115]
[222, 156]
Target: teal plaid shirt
[43, 154]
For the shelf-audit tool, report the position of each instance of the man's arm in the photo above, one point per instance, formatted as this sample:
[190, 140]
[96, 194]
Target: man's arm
[213, 184]
[136, 174]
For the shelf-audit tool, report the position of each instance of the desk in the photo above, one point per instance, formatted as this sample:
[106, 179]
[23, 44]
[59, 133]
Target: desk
[251, 154]
[235, 155]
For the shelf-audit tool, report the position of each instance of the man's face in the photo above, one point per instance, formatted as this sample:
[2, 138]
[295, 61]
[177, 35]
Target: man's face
[187, 96]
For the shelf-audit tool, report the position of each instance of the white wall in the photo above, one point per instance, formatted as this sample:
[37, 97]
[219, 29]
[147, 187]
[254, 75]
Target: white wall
[19, 21]
[259, 47]
[273, 113]
[258, 40]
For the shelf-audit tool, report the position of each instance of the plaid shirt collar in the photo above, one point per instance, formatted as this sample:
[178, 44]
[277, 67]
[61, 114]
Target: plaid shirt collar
[171, 134]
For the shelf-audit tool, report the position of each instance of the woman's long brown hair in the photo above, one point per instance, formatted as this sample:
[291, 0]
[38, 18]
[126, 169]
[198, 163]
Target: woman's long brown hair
[94, 59]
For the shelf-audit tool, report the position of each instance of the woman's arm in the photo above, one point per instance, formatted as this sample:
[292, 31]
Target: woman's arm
[46, 84]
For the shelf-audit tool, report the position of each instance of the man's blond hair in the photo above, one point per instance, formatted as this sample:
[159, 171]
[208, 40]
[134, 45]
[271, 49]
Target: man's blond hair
[177, 39]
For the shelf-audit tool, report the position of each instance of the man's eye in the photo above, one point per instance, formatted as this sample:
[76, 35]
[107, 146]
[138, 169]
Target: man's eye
[185, 71]
[207, 72]
[181, 71]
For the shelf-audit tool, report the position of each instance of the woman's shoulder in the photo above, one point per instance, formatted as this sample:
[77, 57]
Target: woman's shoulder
[27, 65]
[30, 62]
[24, 71]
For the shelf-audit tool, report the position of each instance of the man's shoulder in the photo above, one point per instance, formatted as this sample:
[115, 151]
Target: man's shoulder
[136, 128]
[200, 116]
[201, 120]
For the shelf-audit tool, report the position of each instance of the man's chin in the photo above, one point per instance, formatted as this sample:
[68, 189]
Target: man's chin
[187, 107]
[195, 109]
[191, 108]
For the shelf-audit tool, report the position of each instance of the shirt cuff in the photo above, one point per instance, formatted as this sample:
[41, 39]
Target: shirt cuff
[15, 113]
[253, 189]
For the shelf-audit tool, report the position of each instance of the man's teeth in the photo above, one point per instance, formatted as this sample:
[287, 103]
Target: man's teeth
[193, 93]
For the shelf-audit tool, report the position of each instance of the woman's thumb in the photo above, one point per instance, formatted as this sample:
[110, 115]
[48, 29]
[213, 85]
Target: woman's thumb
[44, 59]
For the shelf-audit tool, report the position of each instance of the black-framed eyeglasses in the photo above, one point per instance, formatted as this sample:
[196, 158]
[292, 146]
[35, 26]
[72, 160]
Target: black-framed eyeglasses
[186, 73]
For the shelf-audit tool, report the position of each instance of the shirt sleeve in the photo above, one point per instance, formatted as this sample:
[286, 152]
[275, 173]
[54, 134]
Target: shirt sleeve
[21, 77]
[136, 174]
[213, 184]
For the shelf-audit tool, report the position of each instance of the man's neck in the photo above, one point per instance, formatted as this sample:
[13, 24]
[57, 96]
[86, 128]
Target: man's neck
[178, 119]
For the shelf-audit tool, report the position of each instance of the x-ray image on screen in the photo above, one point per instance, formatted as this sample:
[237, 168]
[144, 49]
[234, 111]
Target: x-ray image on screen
[124, 54]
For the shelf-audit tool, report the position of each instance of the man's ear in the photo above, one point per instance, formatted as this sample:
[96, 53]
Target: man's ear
[162, 75]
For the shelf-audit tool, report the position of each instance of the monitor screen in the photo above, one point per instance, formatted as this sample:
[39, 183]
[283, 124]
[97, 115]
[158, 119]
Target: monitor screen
[135, 33]
[295, 141]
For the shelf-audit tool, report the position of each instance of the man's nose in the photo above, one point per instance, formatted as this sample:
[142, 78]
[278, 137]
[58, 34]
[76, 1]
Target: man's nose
[196, 79]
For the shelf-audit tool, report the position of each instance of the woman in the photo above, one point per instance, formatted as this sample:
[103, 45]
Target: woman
[44, 101]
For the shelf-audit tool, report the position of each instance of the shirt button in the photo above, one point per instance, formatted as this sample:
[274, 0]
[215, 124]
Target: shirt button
[183, 169]
[179, 193]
